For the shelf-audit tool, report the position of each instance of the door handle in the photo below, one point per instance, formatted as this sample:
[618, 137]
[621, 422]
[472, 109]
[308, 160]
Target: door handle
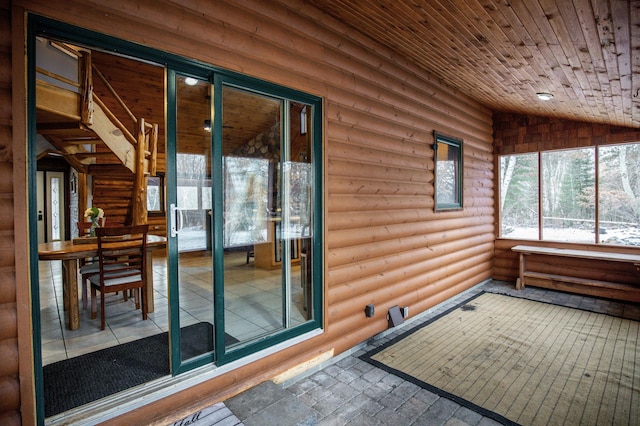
[173, 215]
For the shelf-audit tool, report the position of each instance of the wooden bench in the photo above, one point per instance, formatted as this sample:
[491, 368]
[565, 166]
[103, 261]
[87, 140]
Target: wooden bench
[628, 292]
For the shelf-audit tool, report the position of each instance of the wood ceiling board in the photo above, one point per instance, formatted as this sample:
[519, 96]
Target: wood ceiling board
[501, 53]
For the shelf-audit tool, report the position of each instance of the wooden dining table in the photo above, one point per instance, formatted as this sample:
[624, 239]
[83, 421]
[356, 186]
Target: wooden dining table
[69, 252]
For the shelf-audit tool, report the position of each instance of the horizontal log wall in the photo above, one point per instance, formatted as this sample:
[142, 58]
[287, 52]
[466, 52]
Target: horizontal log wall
[519, 134]
[9, 367]
[383, 242]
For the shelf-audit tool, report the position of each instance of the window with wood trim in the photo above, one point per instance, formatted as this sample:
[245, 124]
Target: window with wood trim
[448, 173]
[155, 194]
[585, 195]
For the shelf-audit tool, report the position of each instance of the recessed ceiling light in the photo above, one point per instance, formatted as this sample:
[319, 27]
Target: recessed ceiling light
[544, 96]
[190, 81]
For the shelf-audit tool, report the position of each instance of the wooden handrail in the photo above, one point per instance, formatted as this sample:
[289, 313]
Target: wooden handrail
[115, 95]
[127, 134]
[93, 154]
[146, 132]
[57, 77]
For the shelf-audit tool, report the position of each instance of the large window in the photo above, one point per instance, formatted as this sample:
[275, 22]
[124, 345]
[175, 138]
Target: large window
[519, 196]
[619, 194]
[588, 195]
[568, 195]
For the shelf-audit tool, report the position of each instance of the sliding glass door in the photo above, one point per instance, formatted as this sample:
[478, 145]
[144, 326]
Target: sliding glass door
[263, 156]
[241, 201]
[189, 243]
[239, 182]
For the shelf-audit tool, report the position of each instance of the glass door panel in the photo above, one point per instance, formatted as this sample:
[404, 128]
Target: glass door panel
[192, 216]
[296, 215]
[240, 179]
[251, 175]
[267, 209]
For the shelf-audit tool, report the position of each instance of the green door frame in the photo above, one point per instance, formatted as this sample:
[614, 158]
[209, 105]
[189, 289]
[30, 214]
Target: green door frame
[49, 28]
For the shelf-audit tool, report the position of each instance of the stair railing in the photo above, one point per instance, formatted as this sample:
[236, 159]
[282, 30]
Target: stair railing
[149, 130]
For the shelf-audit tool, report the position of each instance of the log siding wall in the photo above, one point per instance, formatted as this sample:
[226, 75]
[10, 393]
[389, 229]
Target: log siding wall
[383, 242]
[10, 399]
[519, 134]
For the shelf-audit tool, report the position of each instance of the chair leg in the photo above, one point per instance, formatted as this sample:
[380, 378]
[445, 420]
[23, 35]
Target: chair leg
[93, 302]
[84, 292]
[143, 295]
[136, 297]
[102, 320]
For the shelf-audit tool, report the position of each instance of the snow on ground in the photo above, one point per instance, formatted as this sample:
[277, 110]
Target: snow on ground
[621, 236]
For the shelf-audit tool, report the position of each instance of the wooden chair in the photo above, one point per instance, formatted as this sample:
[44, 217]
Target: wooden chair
[122, 266]
[88, 266]
[250, 253]
[84, 227]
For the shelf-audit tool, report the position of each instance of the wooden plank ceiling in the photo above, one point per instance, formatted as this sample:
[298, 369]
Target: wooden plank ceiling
[502, 52]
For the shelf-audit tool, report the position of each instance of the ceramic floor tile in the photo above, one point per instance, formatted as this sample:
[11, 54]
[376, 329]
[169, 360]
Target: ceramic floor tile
[253, 305]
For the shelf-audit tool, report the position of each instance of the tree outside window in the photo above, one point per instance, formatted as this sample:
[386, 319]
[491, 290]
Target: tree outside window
[519, 196]
[572, 190]
[568, 195]
[619, 194]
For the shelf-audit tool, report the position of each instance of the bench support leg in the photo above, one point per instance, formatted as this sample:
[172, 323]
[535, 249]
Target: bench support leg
[520, 280]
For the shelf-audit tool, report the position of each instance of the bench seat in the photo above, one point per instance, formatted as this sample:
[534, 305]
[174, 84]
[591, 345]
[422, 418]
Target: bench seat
[599, 288]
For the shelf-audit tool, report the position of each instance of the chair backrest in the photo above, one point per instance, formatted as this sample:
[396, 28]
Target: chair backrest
[122, 251]
[84, 227]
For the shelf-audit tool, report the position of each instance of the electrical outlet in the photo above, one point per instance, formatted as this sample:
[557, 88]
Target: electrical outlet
[405, 312]
[369, 310]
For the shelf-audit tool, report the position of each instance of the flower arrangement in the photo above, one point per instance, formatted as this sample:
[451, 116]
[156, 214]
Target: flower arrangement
[95, 214]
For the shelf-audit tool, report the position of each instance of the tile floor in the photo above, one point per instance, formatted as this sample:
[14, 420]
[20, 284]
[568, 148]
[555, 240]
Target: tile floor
[253, 305]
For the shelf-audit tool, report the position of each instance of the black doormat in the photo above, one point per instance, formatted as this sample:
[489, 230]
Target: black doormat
[86, 378]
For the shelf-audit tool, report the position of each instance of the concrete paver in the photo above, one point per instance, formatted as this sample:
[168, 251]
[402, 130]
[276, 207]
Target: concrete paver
[349, 391]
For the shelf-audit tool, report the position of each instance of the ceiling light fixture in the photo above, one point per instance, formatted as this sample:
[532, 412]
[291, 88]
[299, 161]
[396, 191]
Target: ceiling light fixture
[544, 96]
[190, 81]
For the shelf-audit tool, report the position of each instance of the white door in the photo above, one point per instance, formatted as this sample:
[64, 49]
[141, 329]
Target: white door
[51, 205]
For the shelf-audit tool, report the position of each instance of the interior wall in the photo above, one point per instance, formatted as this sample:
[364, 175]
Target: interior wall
[520, 134]
[383, 243]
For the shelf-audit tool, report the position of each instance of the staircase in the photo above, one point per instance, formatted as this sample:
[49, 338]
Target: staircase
[94, 141]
